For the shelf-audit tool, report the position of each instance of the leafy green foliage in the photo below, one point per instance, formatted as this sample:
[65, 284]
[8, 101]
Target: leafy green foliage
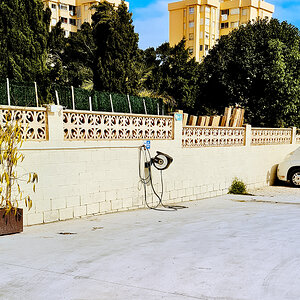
[117, 50]
[79, 57]
[81, 97]
[120, 103]
[137, 105]
[24, 27]
[101, 101]
[56, 45]
[64, 95]
[257, 67]
[105, 54]
[11, 192]
[238, 187]
[21, 93]
[3, 92]
[170, 72]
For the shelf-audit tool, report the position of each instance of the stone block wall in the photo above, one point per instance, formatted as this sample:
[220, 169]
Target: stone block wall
[86, 177]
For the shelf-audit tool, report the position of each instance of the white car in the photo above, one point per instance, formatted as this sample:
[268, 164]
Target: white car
[289, 169]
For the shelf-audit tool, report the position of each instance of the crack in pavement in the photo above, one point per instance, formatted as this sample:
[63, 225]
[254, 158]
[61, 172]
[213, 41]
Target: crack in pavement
[265, 201]
[201, 297]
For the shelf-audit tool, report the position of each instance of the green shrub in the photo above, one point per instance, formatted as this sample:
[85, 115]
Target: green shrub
[238, 187]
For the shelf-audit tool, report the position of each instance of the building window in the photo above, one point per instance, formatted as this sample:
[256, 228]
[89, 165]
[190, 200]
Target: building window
[207, 9]
[234, 24]
[72, 10]
[224, 25]
[201, 34]
[206, 47]
[191, 10]
[191, 50]
[224, 18]
[206, 35]
[64, 20]
[53, 6]
[67, 33]
[53, 21]
[184, 26]
[191, 24]
[213, 12]
[184, 12]
[72, 22]
[244, 11]
[85, 7]
[201, 47]
[191, 36]
[235, 11]
[201, 21]
[63, 6]
[207, 21]
[225, 12]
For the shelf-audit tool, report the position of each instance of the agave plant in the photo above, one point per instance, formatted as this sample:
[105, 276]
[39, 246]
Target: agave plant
[11, 140]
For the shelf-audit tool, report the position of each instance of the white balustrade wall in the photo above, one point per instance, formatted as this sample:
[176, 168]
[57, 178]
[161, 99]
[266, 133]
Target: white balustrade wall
[88, 162]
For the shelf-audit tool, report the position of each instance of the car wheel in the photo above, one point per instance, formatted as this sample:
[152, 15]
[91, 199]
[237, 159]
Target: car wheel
[295, 178]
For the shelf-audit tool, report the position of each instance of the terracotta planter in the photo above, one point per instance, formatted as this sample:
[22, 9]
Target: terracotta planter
[11, 223]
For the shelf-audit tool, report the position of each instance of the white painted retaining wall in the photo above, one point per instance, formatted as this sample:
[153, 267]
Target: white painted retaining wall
[79, 178]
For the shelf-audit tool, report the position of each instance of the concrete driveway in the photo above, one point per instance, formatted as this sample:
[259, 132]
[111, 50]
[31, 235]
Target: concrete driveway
[231, 247]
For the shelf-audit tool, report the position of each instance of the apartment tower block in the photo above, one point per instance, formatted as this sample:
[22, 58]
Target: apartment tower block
[73, 13]
[202, 22]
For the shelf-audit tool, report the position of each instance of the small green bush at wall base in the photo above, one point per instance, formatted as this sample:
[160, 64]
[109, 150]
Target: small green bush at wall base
[238, 187]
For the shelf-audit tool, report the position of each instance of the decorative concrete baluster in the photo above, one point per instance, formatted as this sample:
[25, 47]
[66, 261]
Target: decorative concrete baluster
[112, 126]
[195, 136]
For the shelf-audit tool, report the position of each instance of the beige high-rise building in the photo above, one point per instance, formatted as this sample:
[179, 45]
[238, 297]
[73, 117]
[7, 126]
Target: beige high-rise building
[202, 22]
[73, 13]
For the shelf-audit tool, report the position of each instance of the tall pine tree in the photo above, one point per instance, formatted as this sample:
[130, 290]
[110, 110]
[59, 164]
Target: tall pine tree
[116, 57]
[24, 27]
[79, 57]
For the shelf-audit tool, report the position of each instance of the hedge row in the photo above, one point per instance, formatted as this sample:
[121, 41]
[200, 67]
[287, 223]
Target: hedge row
[101, 101]
[23, 94]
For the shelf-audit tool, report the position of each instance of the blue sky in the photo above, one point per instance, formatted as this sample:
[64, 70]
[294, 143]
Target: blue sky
[151, 18]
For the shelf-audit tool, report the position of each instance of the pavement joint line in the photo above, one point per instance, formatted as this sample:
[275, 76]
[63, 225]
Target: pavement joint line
[264, 201]
[202, 297]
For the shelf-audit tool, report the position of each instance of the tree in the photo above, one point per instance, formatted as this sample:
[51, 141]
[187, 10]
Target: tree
[256, 66]
[105, 53]
[171, 71]
[56, 44]
[24, 27]
[79, 57]
[116, 55]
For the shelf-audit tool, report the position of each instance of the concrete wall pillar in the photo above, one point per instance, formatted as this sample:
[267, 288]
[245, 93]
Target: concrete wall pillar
[55, 123]
[248, 135]
[178, 129]
[293, 135]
